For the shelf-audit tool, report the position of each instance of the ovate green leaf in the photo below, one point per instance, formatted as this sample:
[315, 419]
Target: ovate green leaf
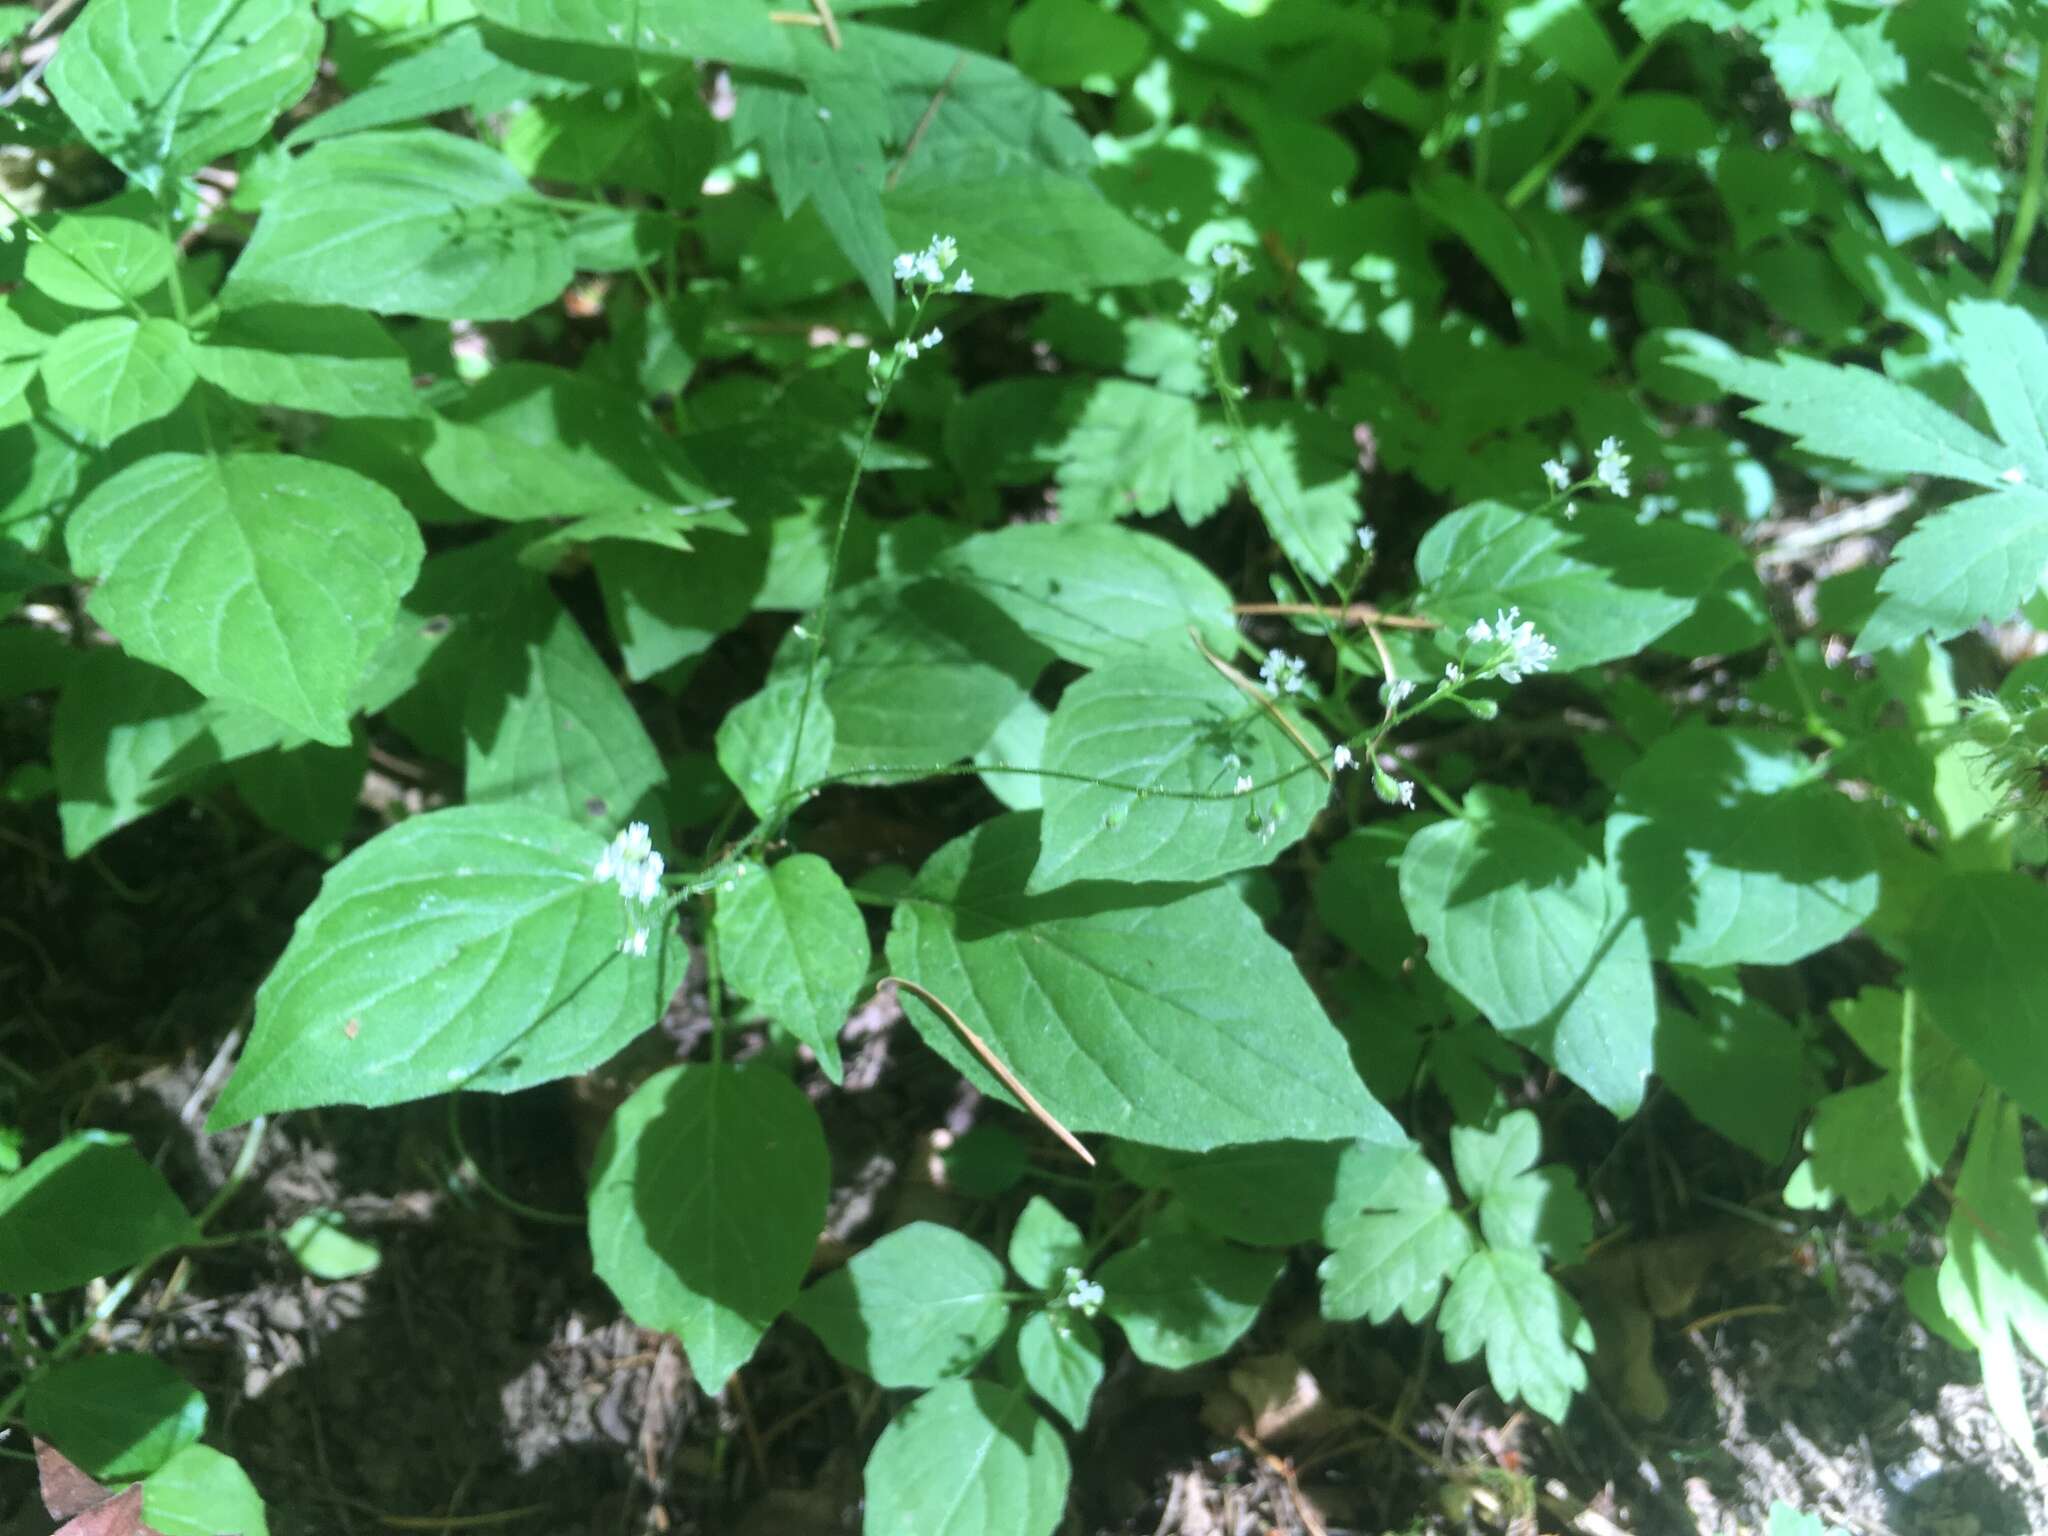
[921, 1305]
[468, 948]
[1183, 1299]
[160, 87]
[1044, 1244]
[1975, 960]
[705, 1205]
[117, 372]
[1163, 1014]
[411, 222]
[1540, 936]
[202, 1492]
[98, 260]
[1170, 738]
[791, 938]
[1735, 853]
[118, 1416]
[337, 361]
[87, 1207]
[259, 578]
[1060, 1355]
[966, 1459]
[1600, 587]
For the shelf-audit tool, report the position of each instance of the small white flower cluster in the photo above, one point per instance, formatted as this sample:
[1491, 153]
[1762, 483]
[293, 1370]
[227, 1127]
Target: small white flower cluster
[1610, 467]
[1342, 759]
[1514, 647]
[1228, 258]
[1284, 673]
[1396, 692]
[1555, 472]
[928, 268]
[630, 862]
[1085, 1296]
[1367, 539]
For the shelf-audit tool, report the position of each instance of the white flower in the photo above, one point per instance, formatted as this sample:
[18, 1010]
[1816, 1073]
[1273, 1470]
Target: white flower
[636, 945]
[1555, 472]
[1453, 673]
[1229, 258]
[905, 266]
[631, 863]
[1610, 467]
[1283, 673]
[931, 338]
[1200, 292]
[874, 361]
[1366, 537]
[1404, 790]
[964, 283]
[1518, 648]
[1083, 1295]
[1397, 692]
[2013, 476]
[1342, 759]
[1243, 786]
[909, 350]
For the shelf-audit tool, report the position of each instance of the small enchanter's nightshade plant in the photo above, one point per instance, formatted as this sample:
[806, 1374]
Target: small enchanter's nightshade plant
[1509, 647]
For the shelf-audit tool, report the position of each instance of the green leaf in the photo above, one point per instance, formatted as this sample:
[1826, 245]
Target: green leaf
[920, 1306]
[1163, 1014]
[455, 70]
[117, 372]
[1274, 1194]
[309, 792]
[117, 1416]
[468, 948]
[1092, 593]
[1129, 448]
[1060, 1355]
[1303, 478]
[129, 737]
[1599, 588]
[1885, 96]
[736, 32]
[1994, 1281]
[758, 736]
[1520, 1205]
[161, 87]
[1182, 1299]
[321, 1242]
[337, 361]
[1740, 1068]
[706, 1202]
[1974, 956]
[1735, 853]
[87, 1207]
[1873, 1146]
[791, 938]
[923, 672]
[1539, 935]
[1162, 730]
[1394, 1254]
[202, 1492]
[546, 724]
[259, 578]
[412, 222]
[1787, 1521]
[1501, 1301]
[99, 260]
[966, 1459]
[1030, 231]
[665, 608]
[1071, 42]
[532, 442]
[1044, 1245]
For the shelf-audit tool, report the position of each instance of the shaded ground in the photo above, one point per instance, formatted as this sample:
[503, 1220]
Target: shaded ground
[482, 1371]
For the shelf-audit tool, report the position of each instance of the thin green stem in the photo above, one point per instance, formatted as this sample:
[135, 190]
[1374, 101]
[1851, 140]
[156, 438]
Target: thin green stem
[822, 614]
[2029, 212]
[1533, 179]
[245, 1159]
[517, 1207]
[714, 980]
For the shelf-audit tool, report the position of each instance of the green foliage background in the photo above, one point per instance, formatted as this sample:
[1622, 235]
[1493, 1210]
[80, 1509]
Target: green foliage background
[1310, 491]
